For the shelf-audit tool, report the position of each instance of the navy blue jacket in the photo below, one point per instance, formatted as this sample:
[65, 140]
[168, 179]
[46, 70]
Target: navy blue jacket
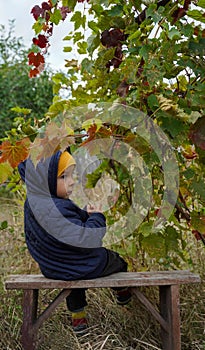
[65, 241]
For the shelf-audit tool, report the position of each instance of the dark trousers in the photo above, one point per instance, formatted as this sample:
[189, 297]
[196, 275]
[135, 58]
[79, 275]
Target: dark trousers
[77, 298]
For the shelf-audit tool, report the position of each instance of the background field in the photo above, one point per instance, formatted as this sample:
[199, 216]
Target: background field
[111, 327]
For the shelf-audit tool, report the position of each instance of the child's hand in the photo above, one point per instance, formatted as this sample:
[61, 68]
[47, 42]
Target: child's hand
[94, 208]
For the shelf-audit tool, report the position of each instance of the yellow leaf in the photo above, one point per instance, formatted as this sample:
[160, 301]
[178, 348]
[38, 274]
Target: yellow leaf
[5, 171]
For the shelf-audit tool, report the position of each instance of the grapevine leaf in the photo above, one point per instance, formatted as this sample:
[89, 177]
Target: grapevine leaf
[35, 59]
[14, 154]
[174, 34]
[19, 110]
[77, 19]
[69, 3]
[33, 73]
[197, 15]
[82, 48]
[152, 101]
[56, 16]
[4, 225]
[201, 3]
[93, 122]
[198, 222]
[154, 245]
[67, 49]
[38, 26]
[41, 41]
[36, 11]
[5, 171]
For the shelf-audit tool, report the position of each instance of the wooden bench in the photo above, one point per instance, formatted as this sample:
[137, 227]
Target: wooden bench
[169, 308]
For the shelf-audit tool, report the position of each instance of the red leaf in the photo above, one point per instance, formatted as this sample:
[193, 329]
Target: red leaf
[33, 73]
[112, 38]
[37, 11]
[91, 134]
[41, 41]
[64, 11]
[46, 6]
[16, 153]
[35, 59]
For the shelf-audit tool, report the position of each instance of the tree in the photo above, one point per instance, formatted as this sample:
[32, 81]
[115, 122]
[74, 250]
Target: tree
[16, 88]
[148, 56]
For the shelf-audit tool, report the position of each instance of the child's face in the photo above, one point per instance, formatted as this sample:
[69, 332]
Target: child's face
[65, 183]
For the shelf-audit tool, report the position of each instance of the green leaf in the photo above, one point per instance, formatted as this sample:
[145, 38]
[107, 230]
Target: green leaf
[5, 171]
[116, 11]
[174, 34]
[78, 20]
[154, 75]
[151, 12]
[56, 16]
[4, 225]
[20, 110]
[198, 221]
[93, 25]
[152, 101]
[144, 52]
[199, 188]
[201, 3]
[82, 48]
[86, 65]
[77, 37]
[93, 42]
[198, 47]
[171, 239]
[146, 228]
[69, 3]
[68, 37]
[67, 49]
[135, 35]
[154, 245]
[189, 174]
[173, 126]
[54, 2]
[197, 15]
[38, 26]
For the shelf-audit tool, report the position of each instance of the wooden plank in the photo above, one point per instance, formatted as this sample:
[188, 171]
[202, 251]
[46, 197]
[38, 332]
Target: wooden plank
[170, 311]
[51, 307]
[121, 279]
[142, 298]
[28, 334]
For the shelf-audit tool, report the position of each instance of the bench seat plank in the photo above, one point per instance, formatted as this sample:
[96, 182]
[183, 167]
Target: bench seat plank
[168, 313]
[121, 279]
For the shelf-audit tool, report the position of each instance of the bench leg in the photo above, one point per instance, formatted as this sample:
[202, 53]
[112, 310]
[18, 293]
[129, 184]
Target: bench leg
[170, 311]
[30, 305]
[31, 321]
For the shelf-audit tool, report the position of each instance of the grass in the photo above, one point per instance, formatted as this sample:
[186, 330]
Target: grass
[111, 327]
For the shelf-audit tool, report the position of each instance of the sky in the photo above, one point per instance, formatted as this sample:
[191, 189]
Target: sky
[19, 10]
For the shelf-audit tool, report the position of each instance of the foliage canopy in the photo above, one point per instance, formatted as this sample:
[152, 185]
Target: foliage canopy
[147, 55]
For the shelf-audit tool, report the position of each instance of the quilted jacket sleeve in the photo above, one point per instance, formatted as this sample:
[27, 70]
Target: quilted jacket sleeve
[71, 225]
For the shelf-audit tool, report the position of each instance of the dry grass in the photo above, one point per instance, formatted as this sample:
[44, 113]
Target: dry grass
[111, 327]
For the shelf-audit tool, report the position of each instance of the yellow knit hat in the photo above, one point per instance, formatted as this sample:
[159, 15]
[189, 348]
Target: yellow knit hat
[65, 161]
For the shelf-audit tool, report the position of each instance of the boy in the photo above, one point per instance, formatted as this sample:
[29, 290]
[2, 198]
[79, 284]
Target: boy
[65, 240]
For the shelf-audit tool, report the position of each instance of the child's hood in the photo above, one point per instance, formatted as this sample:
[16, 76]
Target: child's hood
[42, 179]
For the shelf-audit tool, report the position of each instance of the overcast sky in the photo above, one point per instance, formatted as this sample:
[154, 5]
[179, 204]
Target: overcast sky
[20, 11]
